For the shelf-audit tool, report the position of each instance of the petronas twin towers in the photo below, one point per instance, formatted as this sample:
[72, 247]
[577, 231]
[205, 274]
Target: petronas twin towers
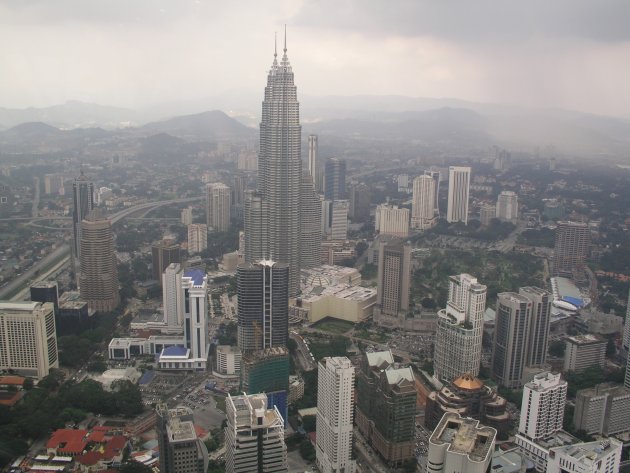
[282, 217]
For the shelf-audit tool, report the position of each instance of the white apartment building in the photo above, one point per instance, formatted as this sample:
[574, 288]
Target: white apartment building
[458, 193]
[603, 409]
[218, 206]
[423, 202]
[391, 220]
[197, 237]
[186, 216]
[339, 220]
[228, 360]
[460, 329]
[584, 351]
[335, 407]
[254, 436]
[28, 341]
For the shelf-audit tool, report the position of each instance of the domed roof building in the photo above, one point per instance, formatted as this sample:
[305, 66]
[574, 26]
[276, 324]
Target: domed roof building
[468, 396]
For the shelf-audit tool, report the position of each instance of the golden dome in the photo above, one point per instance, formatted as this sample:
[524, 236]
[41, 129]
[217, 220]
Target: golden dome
[468, 382]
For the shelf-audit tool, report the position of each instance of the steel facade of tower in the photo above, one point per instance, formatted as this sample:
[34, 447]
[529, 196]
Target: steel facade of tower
[83, 204]
[263, 305]
[279, 175]
[310, 224]
[335, 179]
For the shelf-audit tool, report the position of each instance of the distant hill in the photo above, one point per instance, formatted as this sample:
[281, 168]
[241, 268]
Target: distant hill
[72, 114]
[207, 126]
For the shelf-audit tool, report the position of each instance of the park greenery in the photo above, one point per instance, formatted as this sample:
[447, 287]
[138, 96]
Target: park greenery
[54, 403]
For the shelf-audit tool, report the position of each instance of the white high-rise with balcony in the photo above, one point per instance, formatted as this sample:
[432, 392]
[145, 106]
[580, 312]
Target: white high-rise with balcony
[542, 409]
[335, 407]
[172, 296]
[459, 330]
[458, 193]
[507, 206]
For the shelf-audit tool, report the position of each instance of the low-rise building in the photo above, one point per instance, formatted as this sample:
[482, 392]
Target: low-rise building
[603, 410]
[228, 360]
[603, 456]
[584, 351]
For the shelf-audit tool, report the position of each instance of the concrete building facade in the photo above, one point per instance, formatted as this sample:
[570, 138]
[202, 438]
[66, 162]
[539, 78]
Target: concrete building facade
[423, 204]
[394, 273]
[197, 238]
[391, 220]
[458, 194]
[584, 351]
[218, 206]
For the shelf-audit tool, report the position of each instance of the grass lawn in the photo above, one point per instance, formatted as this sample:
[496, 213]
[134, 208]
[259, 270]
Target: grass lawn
[378, 337]
[333, 325]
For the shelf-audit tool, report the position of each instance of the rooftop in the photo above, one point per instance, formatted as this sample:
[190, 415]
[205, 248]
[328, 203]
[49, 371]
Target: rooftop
[378, 359]
[586, 339]
[589, 452]
[468, 382]
[465, 436]
[196, 275]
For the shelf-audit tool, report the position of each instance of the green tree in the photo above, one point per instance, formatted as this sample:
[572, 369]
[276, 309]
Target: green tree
[135, 467]
[557, 348]
[307, 451]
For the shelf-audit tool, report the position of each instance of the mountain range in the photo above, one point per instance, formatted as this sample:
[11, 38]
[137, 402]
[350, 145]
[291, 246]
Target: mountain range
[431, 122]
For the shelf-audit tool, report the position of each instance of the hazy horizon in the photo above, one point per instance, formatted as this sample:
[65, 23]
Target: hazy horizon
[569, 55]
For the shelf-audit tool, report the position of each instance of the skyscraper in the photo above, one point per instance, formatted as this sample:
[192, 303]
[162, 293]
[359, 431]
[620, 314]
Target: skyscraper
[511, 338]
[458, 191]
[263, 305]
[435, 175]
[539, 325]
[99, 272]
[256, 221]
[254, 436]
[390, 220]
[195, 289]
[163, 253]
[313, 165]
[422, 203]
[83, 204]
[626, 328]
[507, 206]
[172, 296]
[459, 329]
[573, 240]
[394, 272]
[277, 235]
[335, 179]
[180, 449]
[310, 228]
[218, 206]
[339, 220]
[359, 202]
[335, 407]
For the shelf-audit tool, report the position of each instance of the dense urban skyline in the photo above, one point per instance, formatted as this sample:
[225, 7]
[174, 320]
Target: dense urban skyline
[532, 54]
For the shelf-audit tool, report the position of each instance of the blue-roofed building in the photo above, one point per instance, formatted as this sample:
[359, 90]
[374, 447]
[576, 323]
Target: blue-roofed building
[197, 276]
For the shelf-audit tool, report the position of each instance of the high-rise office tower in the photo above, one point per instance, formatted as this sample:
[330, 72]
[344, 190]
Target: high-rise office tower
[239, 185]
[386, 406]
[314, 168]
[46, 291]
[539, 325]
[458, 192]
[164, 253]
[459, 329]
[335, 179]
[197, 238]
[394, 273]
[256, 221]
[626, 329]
[359, 202]
[180, 449]
[603, 410]
[28, 342]
[507, 206]
[263, 305]
[391, 220]
[277, 235]
[584, 351]
[422, 203]
[626, 381]
[573, 240]
[542, 409]
[99, 272]
[195, 289]
[83, 204]
[335, 407]
[511, 339]
[172, 296]
[218, 206]
[339, 220]
[254, 436]
[435, 175]
[186, 217]
[310, 228]
[460, 445]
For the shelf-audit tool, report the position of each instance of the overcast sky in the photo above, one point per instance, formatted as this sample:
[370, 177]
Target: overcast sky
[572, 54]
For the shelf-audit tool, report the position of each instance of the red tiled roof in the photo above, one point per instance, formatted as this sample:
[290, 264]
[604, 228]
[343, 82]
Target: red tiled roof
[12, 380]
[115, 446]
[73, 441]
[89, 458]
